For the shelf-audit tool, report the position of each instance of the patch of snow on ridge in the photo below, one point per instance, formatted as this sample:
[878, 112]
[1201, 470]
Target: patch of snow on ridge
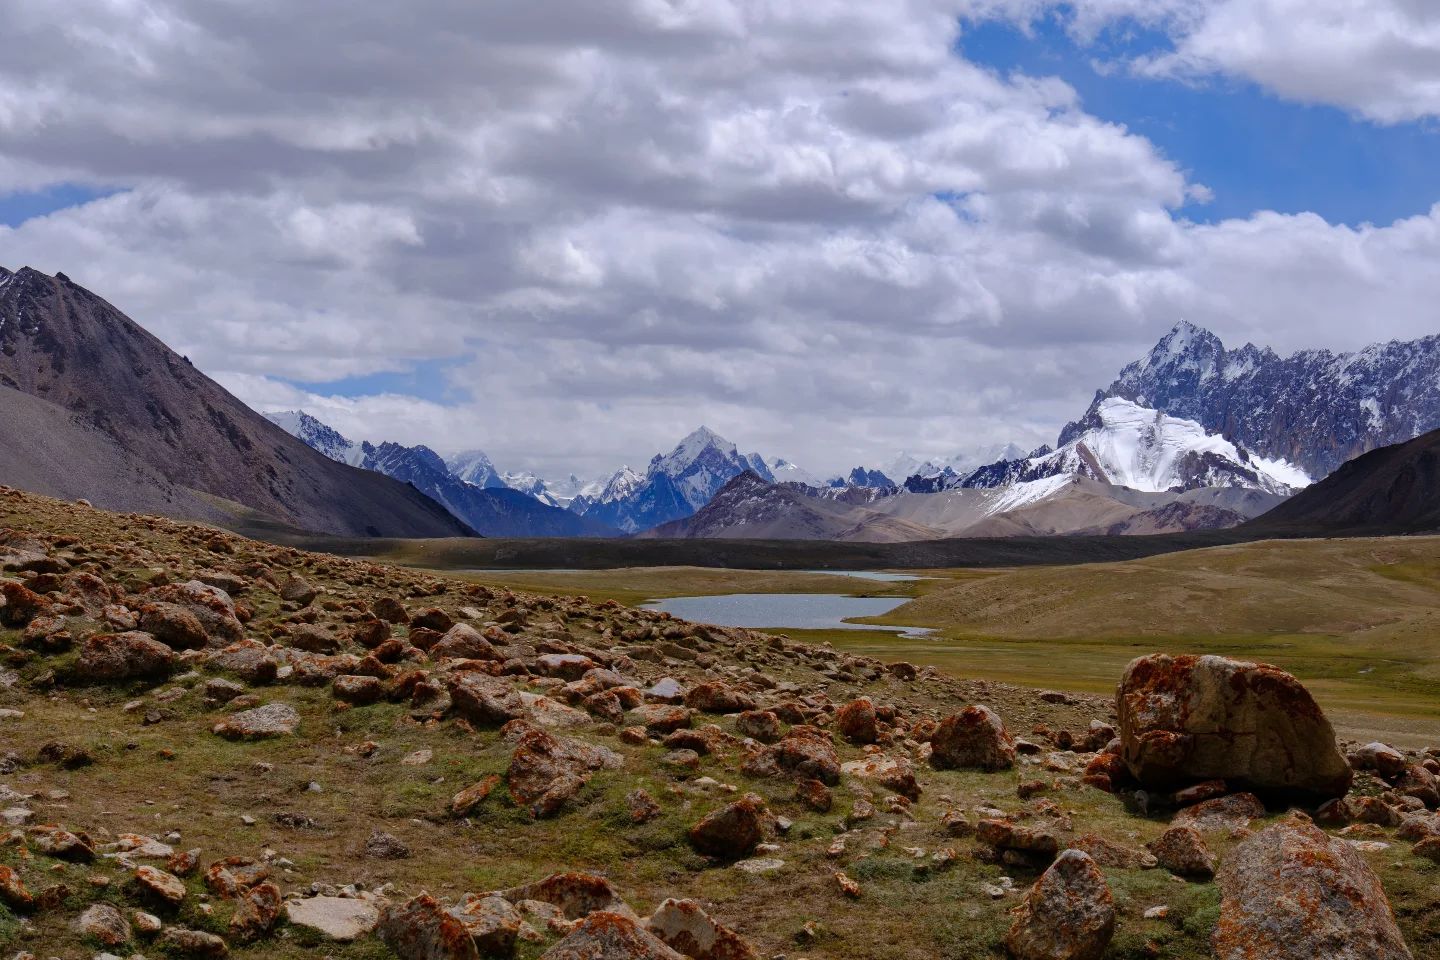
[1284, 471]
[1141, 448]
[1024, 494]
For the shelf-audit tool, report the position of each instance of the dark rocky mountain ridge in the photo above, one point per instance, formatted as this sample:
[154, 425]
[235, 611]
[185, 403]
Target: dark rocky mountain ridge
[65, 346]
[1395, 489]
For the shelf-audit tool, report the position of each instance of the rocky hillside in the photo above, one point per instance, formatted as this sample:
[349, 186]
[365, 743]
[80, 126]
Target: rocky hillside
[1315, 408]
[1395, 489]
[216, 747]
[137, 408]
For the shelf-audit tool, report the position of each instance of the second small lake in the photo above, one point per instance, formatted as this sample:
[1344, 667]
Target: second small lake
[786, 611]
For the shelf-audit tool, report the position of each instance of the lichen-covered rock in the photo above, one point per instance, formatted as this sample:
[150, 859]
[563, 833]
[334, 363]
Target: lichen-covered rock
[250, 660]
[261, 723]
[804, 751]
[1290, 892]
[421, 929]
[731, 832]
[1189, 718]
[492, 922]
[485, 700]
[546, 771]
[688, 929]
[210, 605]
[973, 738]
[1222, 814]
[856, 721]
[119, 657]
[1068, 915]
[1182, 850]
[104, 923]
[610, 936]
[718, 698]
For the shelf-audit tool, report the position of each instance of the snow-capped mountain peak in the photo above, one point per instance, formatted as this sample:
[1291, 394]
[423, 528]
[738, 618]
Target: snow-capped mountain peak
[704, 462]
[786, 472]
[474, 467]
[1133, 446]
[318, 436]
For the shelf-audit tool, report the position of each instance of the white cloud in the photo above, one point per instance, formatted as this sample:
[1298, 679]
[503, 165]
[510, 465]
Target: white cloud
[808, 224]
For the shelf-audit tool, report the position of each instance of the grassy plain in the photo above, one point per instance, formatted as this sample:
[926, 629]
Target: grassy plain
[1358, 620]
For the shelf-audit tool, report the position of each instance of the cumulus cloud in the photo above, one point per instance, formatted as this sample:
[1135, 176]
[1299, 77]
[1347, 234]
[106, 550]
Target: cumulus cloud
[811, 225]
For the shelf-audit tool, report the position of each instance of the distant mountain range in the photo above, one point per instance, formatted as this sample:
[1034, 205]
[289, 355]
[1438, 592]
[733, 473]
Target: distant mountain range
[675, 485]
[1191, 436]
[92, 406]
[491, 508]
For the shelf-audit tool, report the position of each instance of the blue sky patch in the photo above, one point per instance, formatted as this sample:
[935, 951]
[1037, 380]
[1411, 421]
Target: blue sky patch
[1254, 150]
[16, 208]
[427, 379]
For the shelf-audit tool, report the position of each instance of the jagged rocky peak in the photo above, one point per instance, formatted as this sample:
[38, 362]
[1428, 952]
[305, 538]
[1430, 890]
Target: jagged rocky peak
[1315, 408]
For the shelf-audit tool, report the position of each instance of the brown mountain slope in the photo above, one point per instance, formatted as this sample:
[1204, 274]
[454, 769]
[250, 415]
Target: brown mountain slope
[1395, 489]
[64, 345]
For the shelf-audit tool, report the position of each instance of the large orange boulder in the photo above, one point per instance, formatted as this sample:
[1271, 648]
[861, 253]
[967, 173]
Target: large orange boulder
[1186, 718]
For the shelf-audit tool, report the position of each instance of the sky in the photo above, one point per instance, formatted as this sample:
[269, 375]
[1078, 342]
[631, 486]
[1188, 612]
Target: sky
[570, 231]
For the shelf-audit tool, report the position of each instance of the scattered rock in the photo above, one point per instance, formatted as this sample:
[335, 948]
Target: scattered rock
[973, 738]
[733, 831]
[1290, 892]
[1068, 915]
[1223, 814]
[336, 918]
[104, 923]
[546, 771]
[1182, 850]
[271, 720]
[421, 929]
[610, 936]
[256, 912]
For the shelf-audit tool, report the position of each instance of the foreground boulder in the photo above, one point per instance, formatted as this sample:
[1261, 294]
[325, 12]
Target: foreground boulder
[421, 929]
[546, 771]
[118, 657]
[335, 918]
[974, 737]
[685, 927]
[1068, 915]
[1188, 718]
[1292, 892]
[610, 936]
[731, 832]
[261, 723]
